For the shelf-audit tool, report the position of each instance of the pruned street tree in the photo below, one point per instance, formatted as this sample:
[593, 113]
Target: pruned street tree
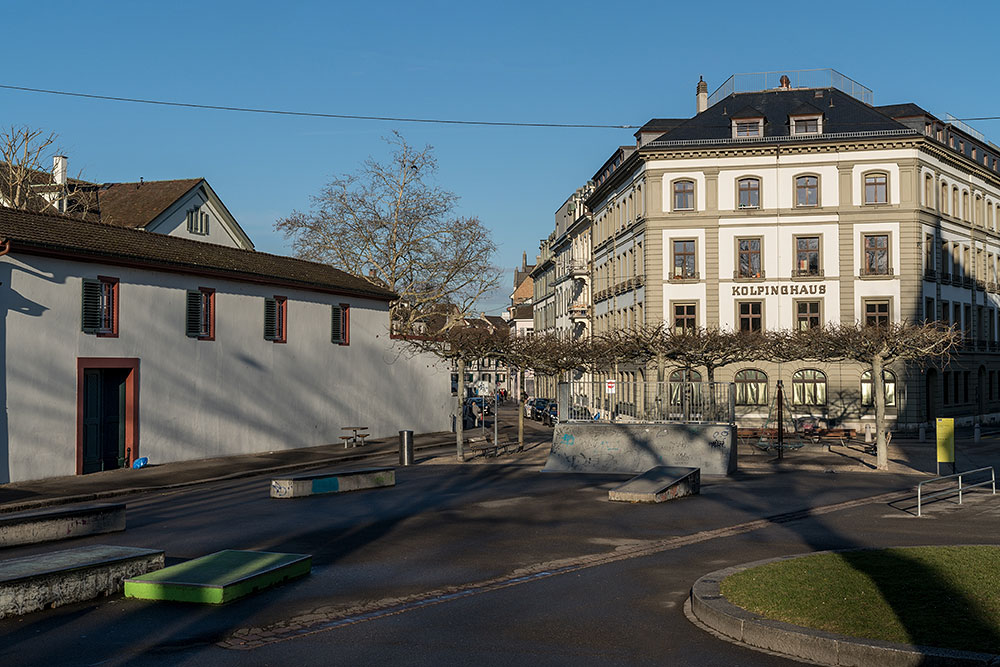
[876, 347]
[389, 223]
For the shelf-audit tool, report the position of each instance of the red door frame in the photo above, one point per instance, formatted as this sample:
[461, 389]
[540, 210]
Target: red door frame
[131, 403]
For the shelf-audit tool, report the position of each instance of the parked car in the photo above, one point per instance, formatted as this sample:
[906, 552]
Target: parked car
[550, 416]
[539, 407]
[528, 405]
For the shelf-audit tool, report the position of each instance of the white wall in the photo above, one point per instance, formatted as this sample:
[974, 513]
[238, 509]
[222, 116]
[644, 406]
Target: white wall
[173, 221]
[237, 394]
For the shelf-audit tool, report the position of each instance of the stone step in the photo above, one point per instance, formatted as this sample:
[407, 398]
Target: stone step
[60, 523]
[72, 575]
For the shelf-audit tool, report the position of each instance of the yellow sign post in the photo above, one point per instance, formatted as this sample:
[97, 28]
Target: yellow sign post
[946, 443]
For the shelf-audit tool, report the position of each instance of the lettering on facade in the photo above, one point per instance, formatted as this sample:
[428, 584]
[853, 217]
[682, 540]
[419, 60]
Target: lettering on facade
[774, 290]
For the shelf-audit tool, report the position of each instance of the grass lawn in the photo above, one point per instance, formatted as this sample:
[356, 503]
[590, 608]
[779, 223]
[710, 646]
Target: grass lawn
[947, 597]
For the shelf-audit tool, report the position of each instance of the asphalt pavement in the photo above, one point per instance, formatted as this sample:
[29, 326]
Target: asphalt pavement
[489, 563]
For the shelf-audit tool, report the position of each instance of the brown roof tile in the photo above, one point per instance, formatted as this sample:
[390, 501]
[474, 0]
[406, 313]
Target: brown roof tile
[35, 233]
[137, 204]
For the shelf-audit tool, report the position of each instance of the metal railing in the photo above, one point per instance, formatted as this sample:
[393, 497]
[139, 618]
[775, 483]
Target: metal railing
[781, 139]
[801, 78]
[647, 402]
[937, 494]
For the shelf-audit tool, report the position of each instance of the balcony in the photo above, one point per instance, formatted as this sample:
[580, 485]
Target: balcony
[991, 287]
[579, 311]
[684, 277]
[930, 274]
[748, 275]
[945, 277]
[967, 281]
[981, 285]
[578, 269]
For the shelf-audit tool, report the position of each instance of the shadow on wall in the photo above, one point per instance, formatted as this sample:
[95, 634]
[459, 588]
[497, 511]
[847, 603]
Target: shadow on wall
[17, 304]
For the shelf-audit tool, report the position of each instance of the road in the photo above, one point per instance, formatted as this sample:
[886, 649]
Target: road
[476, 564]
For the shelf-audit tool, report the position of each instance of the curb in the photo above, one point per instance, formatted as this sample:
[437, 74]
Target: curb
[740, 626]
[18, 506]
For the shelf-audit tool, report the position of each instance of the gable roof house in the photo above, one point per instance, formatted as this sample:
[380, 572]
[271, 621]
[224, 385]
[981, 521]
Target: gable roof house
[182, 207]
[230, 350]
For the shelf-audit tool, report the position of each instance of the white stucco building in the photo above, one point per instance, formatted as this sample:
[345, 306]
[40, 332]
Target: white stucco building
[120, 344]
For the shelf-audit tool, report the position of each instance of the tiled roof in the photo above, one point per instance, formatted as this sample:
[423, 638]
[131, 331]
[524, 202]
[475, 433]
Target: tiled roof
[47, 234]
[138, 204]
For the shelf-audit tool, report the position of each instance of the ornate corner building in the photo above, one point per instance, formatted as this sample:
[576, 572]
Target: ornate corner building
[791, 200]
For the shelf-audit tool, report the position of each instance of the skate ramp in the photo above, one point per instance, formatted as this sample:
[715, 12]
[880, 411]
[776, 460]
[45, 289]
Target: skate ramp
[588, 447]
[659, 484]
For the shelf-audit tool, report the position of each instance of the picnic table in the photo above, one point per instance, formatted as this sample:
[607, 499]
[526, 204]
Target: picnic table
[357, 436]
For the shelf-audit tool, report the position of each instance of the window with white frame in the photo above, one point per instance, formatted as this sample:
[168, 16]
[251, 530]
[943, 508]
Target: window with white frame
[748, 127]
[807, 124]
[749, 192]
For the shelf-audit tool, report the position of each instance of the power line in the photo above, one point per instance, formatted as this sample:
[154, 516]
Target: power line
[311, 114]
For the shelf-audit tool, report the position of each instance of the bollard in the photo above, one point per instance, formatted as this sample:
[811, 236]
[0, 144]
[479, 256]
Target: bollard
[976, 433]
[406, 448]
[923, 433]
[868, 433]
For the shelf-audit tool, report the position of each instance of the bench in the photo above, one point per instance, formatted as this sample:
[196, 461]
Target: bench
[489, 448]
[338, 481]
[62, 577]
[60, 523]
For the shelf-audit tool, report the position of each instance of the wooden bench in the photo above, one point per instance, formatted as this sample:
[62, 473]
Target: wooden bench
[337, 481]
[59, 523]
[62, 577]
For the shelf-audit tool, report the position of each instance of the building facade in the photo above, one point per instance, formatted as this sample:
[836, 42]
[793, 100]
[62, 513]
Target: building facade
[120, 344]
[802, 204]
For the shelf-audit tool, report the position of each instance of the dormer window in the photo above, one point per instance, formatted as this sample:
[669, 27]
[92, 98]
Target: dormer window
[806, 124]
[748, 127]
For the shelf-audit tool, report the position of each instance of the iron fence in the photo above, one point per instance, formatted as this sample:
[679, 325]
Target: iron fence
[647, 402]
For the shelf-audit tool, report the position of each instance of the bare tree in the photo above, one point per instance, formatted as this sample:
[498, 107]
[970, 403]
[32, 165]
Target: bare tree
[24, 151]
[388, 223]
[877, 348]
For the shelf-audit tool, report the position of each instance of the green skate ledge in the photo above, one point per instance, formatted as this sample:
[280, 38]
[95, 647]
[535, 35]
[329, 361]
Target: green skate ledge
[220, 577]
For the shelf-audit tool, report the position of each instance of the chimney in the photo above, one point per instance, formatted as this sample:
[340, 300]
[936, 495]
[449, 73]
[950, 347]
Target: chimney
[59, 169]
[702, 95]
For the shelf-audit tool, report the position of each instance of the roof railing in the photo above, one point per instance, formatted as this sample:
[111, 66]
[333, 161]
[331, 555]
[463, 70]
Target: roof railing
[752, 82]
[781, 139]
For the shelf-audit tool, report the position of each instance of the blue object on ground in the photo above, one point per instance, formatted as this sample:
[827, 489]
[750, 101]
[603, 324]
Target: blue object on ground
[140, 463]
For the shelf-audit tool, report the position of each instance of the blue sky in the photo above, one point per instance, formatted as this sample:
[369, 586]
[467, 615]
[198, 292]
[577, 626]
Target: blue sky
[562, 62]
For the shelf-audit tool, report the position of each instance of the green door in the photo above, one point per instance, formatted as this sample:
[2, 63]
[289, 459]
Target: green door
[104, 419]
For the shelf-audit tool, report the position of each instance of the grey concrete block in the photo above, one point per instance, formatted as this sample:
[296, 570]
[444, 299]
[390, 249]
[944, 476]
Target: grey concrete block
[338, 481]
[51, 580]
[60, 523]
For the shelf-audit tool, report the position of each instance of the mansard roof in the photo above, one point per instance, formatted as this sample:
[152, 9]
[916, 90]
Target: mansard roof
[841, 113]
[39, 234]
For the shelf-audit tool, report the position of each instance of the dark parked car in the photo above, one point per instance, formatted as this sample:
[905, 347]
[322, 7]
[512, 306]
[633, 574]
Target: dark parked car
[539, 407]
[550, 417]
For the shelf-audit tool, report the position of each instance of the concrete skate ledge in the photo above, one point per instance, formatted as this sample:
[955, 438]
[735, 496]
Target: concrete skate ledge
[61, 577]
[61, 523]
[659, 484]
[337, 481]
[744, 627]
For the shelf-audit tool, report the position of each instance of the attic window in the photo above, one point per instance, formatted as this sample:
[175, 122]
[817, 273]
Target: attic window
[197, 222]
[748, 127]
[806, 124]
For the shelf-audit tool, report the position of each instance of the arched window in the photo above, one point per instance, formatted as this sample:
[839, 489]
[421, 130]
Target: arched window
[683, 195]
[867, 390]
[751, 387]
[966, 215]
[954, 202]
[807, 191]
[749, 193]
[944, 198]
[809, 387]
[876, 188]
[929, 190]
[677, 385]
